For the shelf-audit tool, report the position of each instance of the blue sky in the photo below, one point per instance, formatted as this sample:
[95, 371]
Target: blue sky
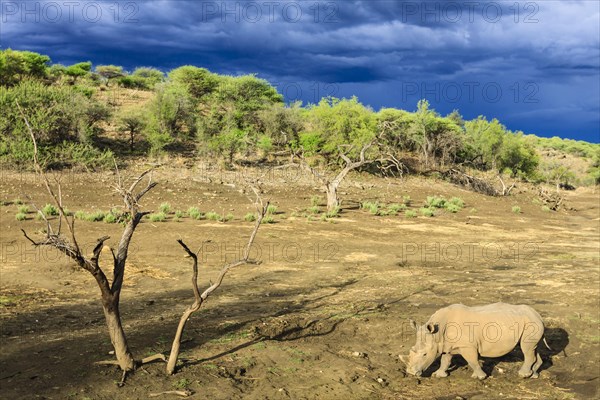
[534, 65]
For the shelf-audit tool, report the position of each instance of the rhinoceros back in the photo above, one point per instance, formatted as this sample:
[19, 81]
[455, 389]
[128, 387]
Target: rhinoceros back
[494, 329]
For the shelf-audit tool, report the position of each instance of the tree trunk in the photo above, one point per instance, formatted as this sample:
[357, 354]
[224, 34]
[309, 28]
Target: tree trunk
[333, 201]
[117, 336]
[174, 355]
[131, 135]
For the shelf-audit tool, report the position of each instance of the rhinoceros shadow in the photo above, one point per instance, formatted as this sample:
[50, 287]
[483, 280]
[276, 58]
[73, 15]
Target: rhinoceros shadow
[557, 338]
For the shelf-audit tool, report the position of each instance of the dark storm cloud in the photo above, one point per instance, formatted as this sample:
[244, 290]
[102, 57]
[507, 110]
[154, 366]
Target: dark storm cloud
[358, 45]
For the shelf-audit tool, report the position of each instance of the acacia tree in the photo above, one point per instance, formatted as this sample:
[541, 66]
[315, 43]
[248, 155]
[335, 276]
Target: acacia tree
[331, 183]
[69, 245]
[341, 131]
[132, 122]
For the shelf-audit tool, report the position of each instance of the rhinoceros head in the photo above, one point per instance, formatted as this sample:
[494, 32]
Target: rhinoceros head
[425, 351]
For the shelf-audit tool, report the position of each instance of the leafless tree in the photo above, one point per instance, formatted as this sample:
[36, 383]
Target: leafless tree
[200, 298]
[506, 190]
[69, 245]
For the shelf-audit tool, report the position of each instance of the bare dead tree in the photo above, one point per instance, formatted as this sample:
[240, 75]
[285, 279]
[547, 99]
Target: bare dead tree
[200, 298]
[331, 184]
[506, 190]
[110, 292]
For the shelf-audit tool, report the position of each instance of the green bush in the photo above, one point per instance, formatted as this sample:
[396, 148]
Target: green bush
[213, 216]
[110, 218]
[23, 209]
[315, 201]
[427, 211]
[179, 214]
[453, 208]
[314, 210]
[457, 201]
[271, 209]
[396, 208]
[56, 113]
[158, 217]
[165, 208]
[21, 216]
[268, 219]
[435, 202]
[95, 216]
[410, 214]
[17, 65]
[333, 213]
[227, 218]
[50, 210]
[372, 207]
[195, 213]
[546, 209]
[406, 200]
[250, 217]
[516, 209]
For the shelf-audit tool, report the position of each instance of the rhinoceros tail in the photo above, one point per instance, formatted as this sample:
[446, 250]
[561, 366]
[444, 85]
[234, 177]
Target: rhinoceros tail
[546, 343]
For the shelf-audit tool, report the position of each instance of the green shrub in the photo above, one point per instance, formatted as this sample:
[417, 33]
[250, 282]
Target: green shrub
[165, 208]
[179, 214]
[250, 217]
[410, 214]
[23, 209]
[457, 201]
[453, 208]
[427, 211]
[213, 216]
[268, 219]
[95, 216]
[315, 201]
[158, 217]
[21, 216]
[406, 200]
[546, 209]
[50, 210]
[227, 217]
[435, 202]
[272, 209]
[372, 207]
[395, 208]
[195, 213]
[314, 210]
[333, 213]
[516, 209]
[110, 218]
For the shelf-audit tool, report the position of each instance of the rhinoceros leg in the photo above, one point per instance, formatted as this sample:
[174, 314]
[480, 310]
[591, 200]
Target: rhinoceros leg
[536, 366]
[444, 364]
[472, 358]
[530, 358]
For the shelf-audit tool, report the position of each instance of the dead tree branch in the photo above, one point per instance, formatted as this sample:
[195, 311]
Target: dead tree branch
[199, 298]
[506, 191]
[110, 293]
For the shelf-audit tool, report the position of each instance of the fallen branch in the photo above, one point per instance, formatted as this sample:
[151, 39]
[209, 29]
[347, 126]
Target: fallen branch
[182, 393]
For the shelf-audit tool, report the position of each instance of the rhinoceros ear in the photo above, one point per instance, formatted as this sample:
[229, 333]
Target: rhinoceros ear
[432, 328]
[413, 324]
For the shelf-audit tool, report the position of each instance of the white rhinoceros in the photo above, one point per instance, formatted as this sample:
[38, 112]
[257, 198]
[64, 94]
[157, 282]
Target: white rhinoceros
[490, 331]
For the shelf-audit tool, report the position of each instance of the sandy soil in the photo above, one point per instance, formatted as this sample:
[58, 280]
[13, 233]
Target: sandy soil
[325, 315]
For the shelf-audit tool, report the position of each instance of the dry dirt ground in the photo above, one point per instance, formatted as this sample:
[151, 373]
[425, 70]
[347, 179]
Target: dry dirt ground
[324, 316]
